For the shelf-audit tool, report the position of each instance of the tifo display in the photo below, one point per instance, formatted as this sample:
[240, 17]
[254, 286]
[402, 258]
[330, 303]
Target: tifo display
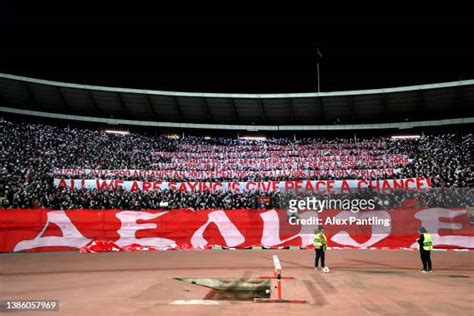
[42, 230]
[63, 168]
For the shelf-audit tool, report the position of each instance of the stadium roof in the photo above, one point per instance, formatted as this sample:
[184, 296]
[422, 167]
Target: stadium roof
[412, 103]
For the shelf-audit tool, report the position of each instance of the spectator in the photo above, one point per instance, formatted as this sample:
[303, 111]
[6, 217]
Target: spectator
[32, 151]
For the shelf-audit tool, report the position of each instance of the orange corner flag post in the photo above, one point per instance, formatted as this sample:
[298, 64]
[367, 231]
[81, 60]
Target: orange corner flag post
[277, 274]
[279, 289]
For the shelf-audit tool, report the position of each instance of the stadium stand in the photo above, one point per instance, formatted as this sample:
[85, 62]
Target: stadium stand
[56, 153]
[38, 156]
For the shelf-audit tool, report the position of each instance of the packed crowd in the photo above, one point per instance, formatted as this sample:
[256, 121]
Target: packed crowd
[33, 154]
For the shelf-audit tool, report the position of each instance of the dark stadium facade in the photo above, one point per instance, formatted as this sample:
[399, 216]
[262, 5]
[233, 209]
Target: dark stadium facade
[442, 104]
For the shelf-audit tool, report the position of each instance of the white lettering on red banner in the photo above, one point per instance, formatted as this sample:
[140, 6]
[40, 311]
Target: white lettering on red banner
[44, 230]
[226, 173]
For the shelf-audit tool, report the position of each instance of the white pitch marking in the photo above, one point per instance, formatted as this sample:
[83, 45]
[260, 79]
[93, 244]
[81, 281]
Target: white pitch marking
[194, 302]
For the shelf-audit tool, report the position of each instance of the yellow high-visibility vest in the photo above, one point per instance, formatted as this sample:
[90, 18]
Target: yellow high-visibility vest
[427, 242]
[320, 240]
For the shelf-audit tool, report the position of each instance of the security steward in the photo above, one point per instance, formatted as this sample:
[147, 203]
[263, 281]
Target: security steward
[426, 245]
[320, 245]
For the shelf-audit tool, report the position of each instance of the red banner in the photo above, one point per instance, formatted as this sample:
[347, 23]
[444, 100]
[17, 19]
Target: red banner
[224, 173]
[51, 230]
[207, 162]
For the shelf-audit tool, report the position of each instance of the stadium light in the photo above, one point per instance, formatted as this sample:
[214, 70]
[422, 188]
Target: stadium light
[254, 138]
[406, 137]
[172, 136]
[109, 131]
[207, 137]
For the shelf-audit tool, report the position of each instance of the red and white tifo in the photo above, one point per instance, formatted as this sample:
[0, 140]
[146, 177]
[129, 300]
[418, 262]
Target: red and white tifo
[51, 230]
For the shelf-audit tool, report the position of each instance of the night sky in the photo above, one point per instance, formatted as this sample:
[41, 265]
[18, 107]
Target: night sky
[234, 54]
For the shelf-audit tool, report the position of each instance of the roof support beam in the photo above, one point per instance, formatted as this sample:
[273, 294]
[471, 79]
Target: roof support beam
[236, 113]
[67, 108]
[245, 96]
[94, 104]
[385, 106]
[150, 105]
[312, 127]
[178, 107]
[34, 102]
[122, 104]
[460, 100]
[206, 110]
[291, 110]
[421, 105]
[262, 107]
[319, 101]
[352, 109]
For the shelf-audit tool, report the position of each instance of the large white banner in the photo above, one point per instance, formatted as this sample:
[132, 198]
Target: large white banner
[318, 186]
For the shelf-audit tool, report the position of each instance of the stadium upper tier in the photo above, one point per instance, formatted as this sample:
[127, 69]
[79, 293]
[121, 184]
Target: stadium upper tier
[67, 167]
[451, 100]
